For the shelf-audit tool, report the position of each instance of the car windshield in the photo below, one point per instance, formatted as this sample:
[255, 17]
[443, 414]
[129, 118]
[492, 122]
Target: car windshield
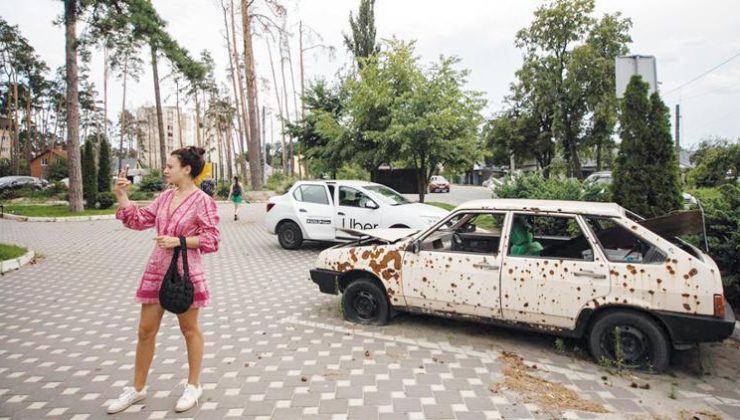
[387, 195]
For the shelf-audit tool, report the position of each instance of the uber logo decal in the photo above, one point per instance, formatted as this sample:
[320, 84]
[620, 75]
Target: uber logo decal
[354, 224]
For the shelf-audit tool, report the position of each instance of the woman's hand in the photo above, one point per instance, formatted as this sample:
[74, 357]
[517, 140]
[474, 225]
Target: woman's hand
[122, 184]
[165, 242]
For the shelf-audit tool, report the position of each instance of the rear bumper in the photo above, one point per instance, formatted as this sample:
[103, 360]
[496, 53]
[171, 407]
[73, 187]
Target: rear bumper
[328, 280]
[689, 329]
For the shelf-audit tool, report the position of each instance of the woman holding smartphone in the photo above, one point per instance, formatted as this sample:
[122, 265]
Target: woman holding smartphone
[184, 210]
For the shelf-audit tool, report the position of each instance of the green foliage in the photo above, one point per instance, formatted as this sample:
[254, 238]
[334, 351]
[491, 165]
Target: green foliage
[106, 199]
[722, 218]
[362, 42]
[89, 175]
[646, 176]
[279, 182]
[564, 92]
[104, 167]
[717, 162]
[222, 189]
[5, 168]
[353, 171]
[57, 169]
[140, 195]
[152, 181]
[536, 187]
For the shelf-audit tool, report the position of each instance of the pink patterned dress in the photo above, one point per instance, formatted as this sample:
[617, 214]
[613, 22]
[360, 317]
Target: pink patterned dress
[196, 215]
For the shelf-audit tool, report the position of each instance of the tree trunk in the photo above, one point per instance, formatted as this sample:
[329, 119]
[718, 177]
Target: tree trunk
[121, 120]
[160, 121]
[177, 108]
[105, 92]
[235, 74]
[303, 93]
[255, 170]
[229, 161]
[197, 120]
[16, 154]
[73, 110]
[283, 149]
[285, 101]
[242, 101]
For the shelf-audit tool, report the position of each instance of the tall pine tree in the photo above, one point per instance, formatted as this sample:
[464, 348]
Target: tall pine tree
[89, 175]
[104, 169]
[645, 172]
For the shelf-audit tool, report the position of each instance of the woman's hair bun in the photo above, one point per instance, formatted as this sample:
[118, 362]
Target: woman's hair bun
[191, 156]
[199, 150]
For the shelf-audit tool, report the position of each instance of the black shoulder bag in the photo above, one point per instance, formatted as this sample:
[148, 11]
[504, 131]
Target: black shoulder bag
[176, 293]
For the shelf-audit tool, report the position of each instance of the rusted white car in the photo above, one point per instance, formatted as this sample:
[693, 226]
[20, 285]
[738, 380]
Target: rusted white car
[593, 270]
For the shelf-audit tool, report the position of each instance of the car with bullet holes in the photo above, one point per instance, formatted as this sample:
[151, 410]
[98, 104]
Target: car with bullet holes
[320, 210]
[627, 286]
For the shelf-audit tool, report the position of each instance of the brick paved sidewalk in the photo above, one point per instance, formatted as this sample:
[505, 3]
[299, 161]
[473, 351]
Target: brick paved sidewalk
[276, 347]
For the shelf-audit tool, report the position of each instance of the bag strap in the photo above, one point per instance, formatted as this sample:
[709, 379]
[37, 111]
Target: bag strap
[184, 249]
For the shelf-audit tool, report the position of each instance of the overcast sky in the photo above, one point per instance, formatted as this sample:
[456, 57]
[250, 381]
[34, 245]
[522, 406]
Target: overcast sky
[687, 38]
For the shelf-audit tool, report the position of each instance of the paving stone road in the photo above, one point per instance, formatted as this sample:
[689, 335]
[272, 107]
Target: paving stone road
[277, 348]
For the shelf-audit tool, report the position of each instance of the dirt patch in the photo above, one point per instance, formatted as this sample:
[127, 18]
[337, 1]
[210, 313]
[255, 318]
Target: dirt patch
[698, 415]
[546, 394]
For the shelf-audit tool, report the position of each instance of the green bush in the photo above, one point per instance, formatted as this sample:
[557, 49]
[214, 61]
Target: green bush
[536, 187]
[58, 170]
[722, 217]
[354, 172]
[152, 181]
[140, 195]
[106, 200]
[222, 189]
[279, 182]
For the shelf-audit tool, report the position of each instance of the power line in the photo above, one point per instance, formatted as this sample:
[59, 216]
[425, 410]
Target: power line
[703, 74]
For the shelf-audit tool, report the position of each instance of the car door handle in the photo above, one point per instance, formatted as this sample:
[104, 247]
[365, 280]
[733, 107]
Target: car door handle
[341, 213]
[486, 266]
[303, 210]
[589, 274]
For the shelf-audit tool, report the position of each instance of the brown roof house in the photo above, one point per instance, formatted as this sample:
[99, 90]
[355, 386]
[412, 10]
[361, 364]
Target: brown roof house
[40, 164]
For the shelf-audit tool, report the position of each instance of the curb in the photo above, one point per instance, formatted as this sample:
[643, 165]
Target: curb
[58, 219]
[16, 263]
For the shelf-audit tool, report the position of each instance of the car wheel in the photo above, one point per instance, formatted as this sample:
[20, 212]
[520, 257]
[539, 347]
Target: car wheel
[364, 302]
[290, 236]
[630, 340]
[399, 227]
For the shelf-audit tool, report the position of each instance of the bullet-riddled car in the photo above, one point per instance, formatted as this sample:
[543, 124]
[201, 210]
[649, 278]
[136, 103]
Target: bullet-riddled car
[319, 210]
[628, 286]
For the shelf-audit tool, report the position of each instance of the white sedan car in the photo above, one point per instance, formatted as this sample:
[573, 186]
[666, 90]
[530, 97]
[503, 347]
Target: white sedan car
[320, 210]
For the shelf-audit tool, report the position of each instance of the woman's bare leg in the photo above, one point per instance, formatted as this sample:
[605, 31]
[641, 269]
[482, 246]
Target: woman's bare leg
[194, 341]
[151, 317]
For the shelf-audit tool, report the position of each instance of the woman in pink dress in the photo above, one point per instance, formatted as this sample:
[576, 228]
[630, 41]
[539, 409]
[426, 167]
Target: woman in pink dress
[181, 211]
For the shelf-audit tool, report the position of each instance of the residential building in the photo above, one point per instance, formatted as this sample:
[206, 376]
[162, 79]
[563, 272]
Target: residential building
[5, 137]
[176, 135]
[40, 164]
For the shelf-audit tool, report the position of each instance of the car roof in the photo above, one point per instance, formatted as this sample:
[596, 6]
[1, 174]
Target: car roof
[554, 206]
[350, 182]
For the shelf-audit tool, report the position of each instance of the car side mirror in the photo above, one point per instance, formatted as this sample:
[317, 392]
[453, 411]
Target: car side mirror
[416, 246]
[371, 205]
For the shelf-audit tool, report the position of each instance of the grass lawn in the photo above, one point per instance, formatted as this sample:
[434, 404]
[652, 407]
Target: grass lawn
[61, 210]
[11, 251]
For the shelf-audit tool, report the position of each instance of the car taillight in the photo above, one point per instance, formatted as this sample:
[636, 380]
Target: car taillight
[719, 306]
[270, 206]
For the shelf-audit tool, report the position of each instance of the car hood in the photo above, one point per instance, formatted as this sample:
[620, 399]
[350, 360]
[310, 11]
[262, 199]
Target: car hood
[386, 235]
[422, 209]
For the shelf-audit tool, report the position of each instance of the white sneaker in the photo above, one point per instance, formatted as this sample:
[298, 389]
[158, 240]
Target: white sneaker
[128, 396]
[189, 398]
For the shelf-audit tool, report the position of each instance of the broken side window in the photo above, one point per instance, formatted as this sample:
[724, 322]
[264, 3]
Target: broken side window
[622, 245]
[478, 233]
[547, 236]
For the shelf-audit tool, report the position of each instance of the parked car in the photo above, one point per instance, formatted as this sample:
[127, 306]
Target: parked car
[323, 210]
[438, 183]
[587, 270]
[599, 178]
[7, 182]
